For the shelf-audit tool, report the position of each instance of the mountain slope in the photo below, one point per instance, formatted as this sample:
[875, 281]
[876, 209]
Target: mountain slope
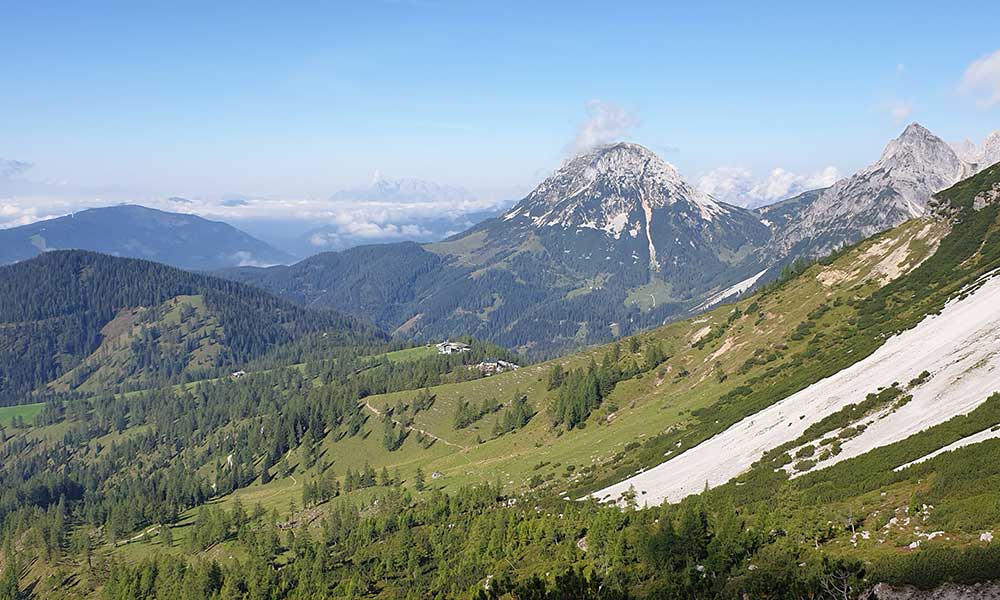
[623, 201]
[180, 240]
[612, 242]
[67, 317]
[947, 315]
[895, 188]
[713, 382]
[781, 215]
[309, 443]
[376, 282]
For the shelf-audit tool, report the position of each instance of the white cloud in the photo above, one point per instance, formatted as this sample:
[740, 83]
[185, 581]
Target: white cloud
[394, 210]
[347, 229]
[13, 215]
[244, 258]
[897, 110]
[355, 224]
[13, 168]
[739, 186]
[982, 80]
[605, 122]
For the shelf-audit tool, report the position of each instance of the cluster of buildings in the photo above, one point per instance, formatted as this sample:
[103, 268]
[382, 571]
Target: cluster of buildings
[489, 366]
[453, 348]
[492, 366]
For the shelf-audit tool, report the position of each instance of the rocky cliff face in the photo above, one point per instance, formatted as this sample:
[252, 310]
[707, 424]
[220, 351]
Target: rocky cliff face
[981, 155]
[897, 187]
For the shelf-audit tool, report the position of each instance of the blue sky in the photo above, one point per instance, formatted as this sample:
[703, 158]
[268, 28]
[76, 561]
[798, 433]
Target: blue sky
[143, 100]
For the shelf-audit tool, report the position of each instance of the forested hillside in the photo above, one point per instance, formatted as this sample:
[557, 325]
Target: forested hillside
[155, 323]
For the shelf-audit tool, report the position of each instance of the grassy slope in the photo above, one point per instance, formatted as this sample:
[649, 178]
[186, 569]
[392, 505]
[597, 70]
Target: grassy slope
[657, 401]
[26, 411]
[637, 410]
[177, 322]
[653, 403]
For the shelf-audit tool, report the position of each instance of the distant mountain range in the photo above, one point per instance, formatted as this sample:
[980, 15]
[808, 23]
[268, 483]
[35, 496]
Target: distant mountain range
[613, 242]
[181, 240]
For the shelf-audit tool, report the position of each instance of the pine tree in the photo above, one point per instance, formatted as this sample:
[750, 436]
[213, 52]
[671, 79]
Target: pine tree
[167, 535]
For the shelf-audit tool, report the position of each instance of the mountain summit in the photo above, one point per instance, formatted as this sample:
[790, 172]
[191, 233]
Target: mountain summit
[981, 155]
[895, 188]
[613, 189]
[607, 189]
[383, 189]
[624, 191]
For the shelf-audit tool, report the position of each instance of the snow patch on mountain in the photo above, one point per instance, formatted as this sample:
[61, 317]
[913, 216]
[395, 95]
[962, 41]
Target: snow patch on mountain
[731, 291]
[960, 347]
[605, 188]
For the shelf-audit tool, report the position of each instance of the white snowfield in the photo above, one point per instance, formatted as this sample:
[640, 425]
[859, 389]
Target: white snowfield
[734, 290]
[960, 348]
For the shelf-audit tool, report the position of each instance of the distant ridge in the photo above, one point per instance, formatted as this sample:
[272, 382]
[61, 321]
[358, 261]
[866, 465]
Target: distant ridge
[180, 240]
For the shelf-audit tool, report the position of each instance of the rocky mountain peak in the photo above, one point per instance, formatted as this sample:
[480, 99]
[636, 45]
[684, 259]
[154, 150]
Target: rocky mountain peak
[981, 155]
[609, 187]
[989, 151]
[384, 189]
[897, 187]
[917, 149]
[623, 159]
[916, 131]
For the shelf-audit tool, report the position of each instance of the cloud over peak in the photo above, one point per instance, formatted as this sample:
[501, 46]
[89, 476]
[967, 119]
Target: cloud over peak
[897, 110]
[605, 122]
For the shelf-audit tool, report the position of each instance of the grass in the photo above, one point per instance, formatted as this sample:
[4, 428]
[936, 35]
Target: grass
[646, 297]
[25, 411]
[186, 317]
[409, 354]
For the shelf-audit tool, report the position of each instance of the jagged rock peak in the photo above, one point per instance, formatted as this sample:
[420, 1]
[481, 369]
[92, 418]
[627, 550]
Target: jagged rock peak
[621, 159]
[917, 148]
[983, 155]
[897, 187]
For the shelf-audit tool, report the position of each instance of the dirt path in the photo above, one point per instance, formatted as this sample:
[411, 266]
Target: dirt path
[139, 535]
[378, 413]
